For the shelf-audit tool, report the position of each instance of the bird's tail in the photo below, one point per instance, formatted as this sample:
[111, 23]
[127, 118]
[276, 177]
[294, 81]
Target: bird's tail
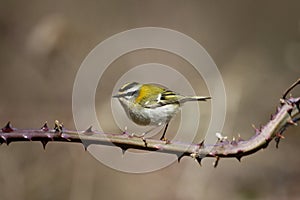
[194, 98]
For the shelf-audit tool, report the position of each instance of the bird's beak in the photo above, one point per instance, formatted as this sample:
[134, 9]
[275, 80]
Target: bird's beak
[117, 95]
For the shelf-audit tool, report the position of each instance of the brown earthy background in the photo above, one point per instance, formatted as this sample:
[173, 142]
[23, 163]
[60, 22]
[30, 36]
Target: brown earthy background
[255, 44]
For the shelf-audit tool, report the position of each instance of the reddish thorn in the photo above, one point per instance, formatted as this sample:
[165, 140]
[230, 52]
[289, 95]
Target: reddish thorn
[7, 128]
[257, 131]
[234, 142]
[239, 138]
[158, 147]
[201, 144]
[45, 127]
[279, 136]
[88, 131]
[277, 110]
[291, 122]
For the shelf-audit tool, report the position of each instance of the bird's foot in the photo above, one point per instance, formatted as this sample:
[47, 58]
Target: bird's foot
[165, 140]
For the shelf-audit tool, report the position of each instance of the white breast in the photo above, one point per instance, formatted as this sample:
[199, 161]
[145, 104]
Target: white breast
[149, 116]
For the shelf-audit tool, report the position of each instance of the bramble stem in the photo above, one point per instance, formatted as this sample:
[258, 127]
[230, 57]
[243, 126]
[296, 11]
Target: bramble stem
[287, 114]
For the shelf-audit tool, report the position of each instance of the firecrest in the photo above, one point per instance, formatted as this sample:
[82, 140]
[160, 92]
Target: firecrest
[151, 104]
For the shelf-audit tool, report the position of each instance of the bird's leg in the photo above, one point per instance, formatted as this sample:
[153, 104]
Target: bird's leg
[165, 130]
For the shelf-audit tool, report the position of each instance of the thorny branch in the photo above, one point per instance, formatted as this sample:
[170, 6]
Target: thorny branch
[287, 114]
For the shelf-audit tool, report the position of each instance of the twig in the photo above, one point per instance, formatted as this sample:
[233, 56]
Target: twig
[287, 114]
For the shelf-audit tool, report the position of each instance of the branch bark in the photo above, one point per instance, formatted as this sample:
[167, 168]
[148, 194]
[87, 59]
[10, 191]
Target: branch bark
[287, 114]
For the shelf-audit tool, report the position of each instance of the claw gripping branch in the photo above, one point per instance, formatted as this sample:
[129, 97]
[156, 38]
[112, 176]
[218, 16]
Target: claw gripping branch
[287, 114]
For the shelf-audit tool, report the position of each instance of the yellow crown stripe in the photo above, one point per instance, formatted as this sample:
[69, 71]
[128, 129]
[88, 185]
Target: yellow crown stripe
[148, 92]
[142, 93]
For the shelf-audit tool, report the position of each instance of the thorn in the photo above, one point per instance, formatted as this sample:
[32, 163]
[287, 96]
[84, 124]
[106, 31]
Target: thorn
[45, 127]
[238, 158]
[239, 155]
[290, 88]
[216, 162]
[198, 159]
[267, 143]
[85, 146]
[44, 143]
[272, 117]
[220, 137]
[280, 136]
[257, 131]
[7, 128]
[8, 142]
[291, 122]
[240, 138]
[289, 111]
[58, 127]
[277, 140]
[124, 149]
[282, 101]
[158, 147]
[125, 130]
[234, 142]
[277, 109]
[179, 157]
[89, 131]
[201, 144]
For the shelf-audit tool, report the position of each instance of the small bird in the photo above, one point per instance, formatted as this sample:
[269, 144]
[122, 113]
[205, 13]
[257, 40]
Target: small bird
[151, 104]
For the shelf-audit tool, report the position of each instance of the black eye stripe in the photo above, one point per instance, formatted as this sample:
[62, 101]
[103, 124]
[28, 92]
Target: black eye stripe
[131, 93]
[127, 86]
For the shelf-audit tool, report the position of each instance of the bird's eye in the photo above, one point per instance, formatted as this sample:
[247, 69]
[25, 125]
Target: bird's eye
[133, 93]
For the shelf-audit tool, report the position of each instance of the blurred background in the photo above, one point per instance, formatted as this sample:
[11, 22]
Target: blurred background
[255, 44]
